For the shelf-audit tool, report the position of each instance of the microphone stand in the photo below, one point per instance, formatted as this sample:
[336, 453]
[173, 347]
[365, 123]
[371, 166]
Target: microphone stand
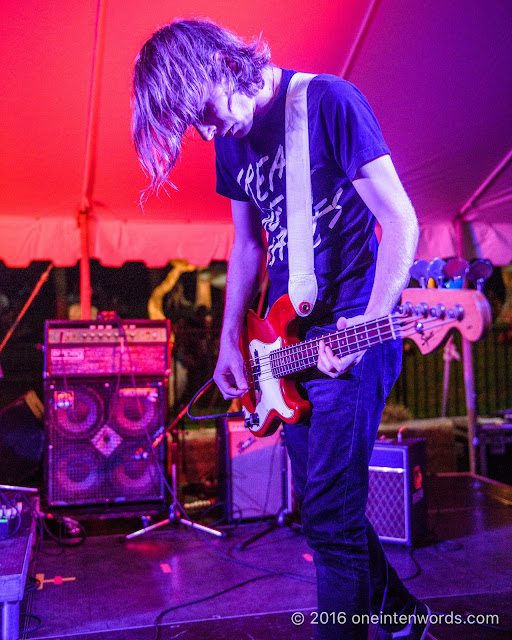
[176, 511]
[42, 279]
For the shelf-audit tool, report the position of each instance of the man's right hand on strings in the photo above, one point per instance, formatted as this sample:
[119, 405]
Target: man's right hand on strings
[229, 373]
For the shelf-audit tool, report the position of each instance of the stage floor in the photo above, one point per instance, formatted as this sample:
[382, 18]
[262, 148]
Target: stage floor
[111, 589]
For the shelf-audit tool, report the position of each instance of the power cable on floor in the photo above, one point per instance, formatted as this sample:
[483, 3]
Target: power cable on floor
[199, 600]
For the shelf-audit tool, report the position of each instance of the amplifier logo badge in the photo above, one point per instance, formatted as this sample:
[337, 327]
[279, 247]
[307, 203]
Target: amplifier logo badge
[67, 354]
[64, 399]
[418, 477]
[139, 392]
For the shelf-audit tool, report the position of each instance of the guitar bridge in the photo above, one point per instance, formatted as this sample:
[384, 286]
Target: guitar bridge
[252, 420]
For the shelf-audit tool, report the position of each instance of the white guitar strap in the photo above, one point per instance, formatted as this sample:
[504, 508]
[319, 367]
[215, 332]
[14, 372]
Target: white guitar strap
[302, 284]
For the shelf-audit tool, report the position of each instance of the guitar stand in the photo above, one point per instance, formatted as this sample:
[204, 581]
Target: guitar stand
[175, 509]
[284, 515]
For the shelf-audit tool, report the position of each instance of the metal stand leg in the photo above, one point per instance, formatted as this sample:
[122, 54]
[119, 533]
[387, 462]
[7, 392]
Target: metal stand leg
[283, 517]
[10, 621]
[175, 511]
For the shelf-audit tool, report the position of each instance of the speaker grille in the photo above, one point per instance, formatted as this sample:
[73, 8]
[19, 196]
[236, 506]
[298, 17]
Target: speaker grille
[397, 505]
[94, 428]
[387, 506]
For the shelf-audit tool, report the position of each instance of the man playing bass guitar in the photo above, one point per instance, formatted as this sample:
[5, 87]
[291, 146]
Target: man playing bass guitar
[193, 73]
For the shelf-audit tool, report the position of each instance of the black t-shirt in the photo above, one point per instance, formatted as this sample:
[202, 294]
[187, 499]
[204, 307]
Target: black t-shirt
[343, 135]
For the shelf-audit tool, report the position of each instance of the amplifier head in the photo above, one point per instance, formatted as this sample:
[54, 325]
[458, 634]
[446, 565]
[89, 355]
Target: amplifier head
[98, 348]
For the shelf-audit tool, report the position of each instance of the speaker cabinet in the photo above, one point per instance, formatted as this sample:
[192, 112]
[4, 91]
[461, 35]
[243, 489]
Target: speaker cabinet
[252, 483]
[397, 503]
[94, 426]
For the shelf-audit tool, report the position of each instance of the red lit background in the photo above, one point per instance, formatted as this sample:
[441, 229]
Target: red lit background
[437, 74]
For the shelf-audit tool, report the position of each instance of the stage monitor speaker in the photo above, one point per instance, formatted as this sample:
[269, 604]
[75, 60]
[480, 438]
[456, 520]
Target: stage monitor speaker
[397, 503]
[250, 472]
[94, 426]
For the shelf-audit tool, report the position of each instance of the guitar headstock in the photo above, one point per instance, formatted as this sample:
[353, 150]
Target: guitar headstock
[429, 315]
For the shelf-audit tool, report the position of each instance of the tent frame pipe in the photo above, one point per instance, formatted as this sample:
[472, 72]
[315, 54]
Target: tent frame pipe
[492, 176]
[467, 351]
[358, 39]
[85, 267]
[90, 162]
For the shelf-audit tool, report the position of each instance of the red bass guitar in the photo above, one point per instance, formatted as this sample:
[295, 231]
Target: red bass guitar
[273, 353]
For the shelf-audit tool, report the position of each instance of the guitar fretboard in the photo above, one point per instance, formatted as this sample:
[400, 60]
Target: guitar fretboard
[300, 356]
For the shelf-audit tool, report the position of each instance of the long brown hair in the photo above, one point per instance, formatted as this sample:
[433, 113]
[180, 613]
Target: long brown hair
[174, 72]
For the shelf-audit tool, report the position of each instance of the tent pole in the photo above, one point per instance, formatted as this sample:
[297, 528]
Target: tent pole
[467, 363]
[90, 161]
[469, 386]
[93, 113]
[85, 267]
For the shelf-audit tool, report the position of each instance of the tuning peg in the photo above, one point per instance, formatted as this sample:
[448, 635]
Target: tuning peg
[456, 269]
[479, 271]
[435, 271]
[419, 271]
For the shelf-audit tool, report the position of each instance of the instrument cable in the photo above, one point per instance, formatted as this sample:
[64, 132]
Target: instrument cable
[198, 394]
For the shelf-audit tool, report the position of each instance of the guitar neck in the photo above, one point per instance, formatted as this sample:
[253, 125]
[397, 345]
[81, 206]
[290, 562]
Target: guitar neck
[303, 355]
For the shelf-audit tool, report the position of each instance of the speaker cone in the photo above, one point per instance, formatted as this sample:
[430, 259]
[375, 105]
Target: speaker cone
[135, 410]
[135, 477]
[77, 472]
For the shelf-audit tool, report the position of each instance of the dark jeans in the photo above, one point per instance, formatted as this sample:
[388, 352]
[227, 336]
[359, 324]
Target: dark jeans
[330, 456]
